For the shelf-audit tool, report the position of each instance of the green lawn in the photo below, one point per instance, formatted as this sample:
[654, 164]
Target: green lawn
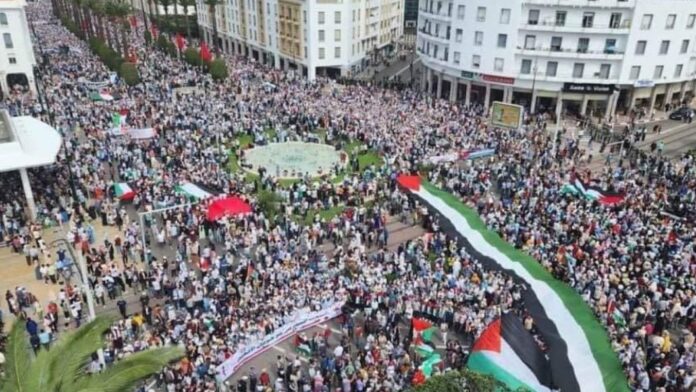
[327, 214]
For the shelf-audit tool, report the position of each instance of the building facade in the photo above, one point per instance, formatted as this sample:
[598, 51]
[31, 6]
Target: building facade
[326, 37]
[593, 56]
[17, 59]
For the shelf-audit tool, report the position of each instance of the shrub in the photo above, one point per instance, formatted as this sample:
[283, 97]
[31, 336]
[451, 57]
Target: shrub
[162, 42]
[148, 37]
[218, 69]
[192, 57]
[129, 73]
[107, 55]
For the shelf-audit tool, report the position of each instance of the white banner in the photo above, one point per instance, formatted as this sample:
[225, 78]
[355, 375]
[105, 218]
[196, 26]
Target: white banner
[298, 321]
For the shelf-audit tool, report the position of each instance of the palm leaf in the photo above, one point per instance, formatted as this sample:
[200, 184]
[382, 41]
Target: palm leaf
[125, 374]
[17, 360]
[72, 352]
[38, 376]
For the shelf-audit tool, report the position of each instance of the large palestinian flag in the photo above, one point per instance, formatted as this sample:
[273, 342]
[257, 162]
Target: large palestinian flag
[591, 192]
[508, 353]
[580, 352]
[193, 191]
[123, 191]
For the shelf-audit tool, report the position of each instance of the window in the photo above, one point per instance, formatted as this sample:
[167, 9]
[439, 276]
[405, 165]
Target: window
[530, 42]
[526, 67]
[664, 47]
[321, 35]
[481, 14]
[646, 23]
[458, 35]
[502, 40]
[449, 9]
[610, 46]
[587, 19]
[604, 71]
[321, 17]
[498, 64]
[3, 19]
[578, 70]
[504, 16]
[533, 17]
[685, 46]
[337, 35]
[640, 47]
[691, 21]
[321, 53]
[476, 61]
[615, 20]
[671, 18]
[457, 57]
[560, 18]
[12, 60]
[478, 38]
[337, 17]
[583, 44]
[8, 40]
[460, 11]
[556, 44]
[635, 72]
[337, 52]
[678, 70]
[551, 68]
[658, 72]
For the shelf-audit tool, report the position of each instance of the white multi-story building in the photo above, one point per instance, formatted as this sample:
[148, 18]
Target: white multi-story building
[16, 54]
[593, 55]
[328, 37]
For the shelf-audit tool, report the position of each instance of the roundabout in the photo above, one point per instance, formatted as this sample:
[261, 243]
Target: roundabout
[290, 160]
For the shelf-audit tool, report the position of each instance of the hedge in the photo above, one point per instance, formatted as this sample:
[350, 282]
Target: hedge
[192, 56]
[218, 69]
[129, 73]
[148, 37]
[106, 54]
[463, 380]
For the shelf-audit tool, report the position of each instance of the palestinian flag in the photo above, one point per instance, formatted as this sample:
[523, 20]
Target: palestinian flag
[423, 330]
[579, 188]
[193, 191]
[508, 353]
[579, 350]
[118, 121]
[101, 95]
[424, 350]
[123, 191]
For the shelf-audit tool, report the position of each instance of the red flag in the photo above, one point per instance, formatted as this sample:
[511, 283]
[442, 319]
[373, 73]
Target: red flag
[133, 21]
[180, 41]
[205, 52]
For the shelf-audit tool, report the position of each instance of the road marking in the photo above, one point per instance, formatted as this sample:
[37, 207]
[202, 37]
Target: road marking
[402, 70]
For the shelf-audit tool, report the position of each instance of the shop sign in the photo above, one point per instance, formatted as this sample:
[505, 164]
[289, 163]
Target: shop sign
[498, 79]
[643, 83]
[588, 88]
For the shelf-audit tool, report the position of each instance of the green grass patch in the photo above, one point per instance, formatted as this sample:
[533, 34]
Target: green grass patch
[326, 214]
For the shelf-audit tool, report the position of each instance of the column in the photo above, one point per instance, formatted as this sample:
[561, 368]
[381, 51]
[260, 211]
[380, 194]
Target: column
[682, 90]
[631, 98]
[507, 98]
[487, 99]
[276, 60]
[583, 107]
[311, 73]
[453, 89]
[28, 193]
[467, 95]
[611, 104]
[653, 97]
[532, 107]
[439, 86]
[559, 113]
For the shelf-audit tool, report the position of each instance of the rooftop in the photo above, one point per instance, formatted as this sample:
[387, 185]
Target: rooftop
[26, 142]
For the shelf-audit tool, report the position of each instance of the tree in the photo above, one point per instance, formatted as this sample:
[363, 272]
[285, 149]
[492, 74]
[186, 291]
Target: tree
[267, 203]
[461, 381]
[212, 7]
[186, 4]
[62, 367]
[129, 73]
[218, 69]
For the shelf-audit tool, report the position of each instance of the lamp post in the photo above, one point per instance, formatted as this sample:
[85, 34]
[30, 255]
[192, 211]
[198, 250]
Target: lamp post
[532, 106]
[84, 277]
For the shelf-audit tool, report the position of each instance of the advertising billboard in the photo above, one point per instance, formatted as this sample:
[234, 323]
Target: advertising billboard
[506, 115]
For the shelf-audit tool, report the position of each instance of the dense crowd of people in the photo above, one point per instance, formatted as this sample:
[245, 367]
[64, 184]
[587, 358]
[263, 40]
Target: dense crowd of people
[214, 286]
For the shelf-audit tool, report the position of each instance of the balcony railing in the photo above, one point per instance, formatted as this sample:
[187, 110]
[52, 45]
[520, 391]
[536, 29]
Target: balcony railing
[582, 3]
[553, 25]
[577, 51]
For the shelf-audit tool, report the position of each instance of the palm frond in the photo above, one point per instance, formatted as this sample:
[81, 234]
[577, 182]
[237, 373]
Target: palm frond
[39, 374]
[17, 360]
[73, 351]
[125, 374]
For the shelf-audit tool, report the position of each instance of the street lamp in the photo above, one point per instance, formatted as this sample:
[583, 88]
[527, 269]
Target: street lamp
[532, 106]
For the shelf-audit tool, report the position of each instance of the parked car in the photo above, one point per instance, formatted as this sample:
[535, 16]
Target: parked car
[681, 113]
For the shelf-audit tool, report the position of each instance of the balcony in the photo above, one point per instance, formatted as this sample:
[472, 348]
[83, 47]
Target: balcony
[439, 38]
[565, 53]
[551, 26]
[615, 4]
[442, 15]
[568, 77]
